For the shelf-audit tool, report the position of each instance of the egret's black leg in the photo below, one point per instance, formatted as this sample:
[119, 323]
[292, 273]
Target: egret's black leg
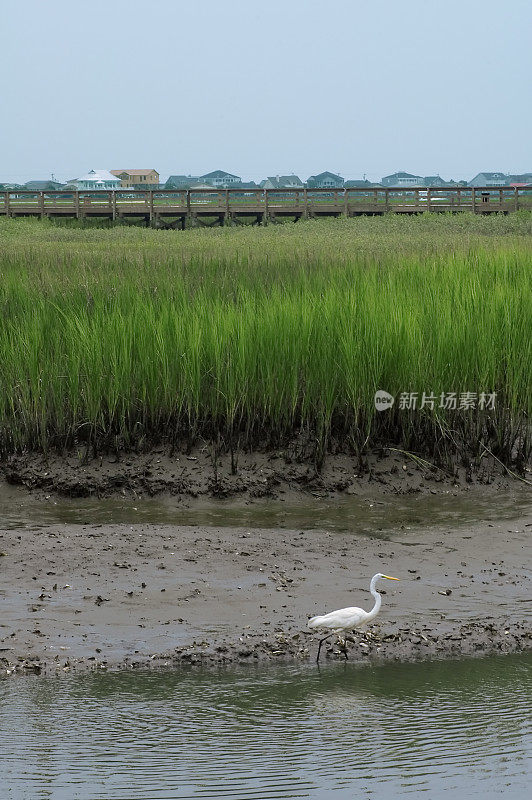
[321, 642]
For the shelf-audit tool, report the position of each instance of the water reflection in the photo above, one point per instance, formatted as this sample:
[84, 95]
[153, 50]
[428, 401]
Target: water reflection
[441, 728]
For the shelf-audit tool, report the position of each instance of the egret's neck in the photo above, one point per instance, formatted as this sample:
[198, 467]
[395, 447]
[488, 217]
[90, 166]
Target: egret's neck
[378, 600]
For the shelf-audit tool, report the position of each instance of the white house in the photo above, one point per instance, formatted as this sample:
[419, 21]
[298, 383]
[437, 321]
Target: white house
[97, 179]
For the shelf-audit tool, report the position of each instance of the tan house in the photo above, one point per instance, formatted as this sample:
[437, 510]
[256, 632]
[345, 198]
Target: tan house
[137, 178]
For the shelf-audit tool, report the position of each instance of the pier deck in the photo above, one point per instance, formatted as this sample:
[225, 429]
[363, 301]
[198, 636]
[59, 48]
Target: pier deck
[180, 208]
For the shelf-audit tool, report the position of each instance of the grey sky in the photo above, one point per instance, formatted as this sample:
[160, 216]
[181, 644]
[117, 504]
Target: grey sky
[258, 89]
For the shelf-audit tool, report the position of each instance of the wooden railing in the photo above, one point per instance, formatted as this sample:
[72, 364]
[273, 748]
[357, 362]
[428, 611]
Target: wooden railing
[270, 202]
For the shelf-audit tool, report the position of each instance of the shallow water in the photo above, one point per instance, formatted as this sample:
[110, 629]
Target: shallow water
[440, 729]
[20, 509]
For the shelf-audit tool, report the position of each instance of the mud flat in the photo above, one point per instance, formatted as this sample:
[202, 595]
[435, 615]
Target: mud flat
[105, 596]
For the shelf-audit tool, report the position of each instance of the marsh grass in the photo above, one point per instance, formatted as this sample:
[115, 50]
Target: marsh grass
[122, 337]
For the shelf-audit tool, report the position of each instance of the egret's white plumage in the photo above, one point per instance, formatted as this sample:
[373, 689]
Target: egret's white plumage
[348, 618]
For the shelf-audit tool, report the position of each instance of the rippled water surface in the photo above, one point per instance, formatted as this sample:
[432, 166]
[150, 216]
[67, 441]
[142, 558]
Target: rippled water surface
[442, 729]
[363, 514]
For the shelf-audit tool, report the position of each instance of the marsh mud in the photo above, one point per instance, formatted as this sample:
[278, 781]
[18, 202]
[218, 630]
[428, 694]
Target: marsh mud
[135, 582]
[270, 474]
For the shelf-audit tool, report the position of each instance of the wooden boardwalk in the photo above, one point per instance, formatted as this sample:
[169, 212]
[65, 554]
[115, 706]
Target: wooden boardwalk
[180, 208]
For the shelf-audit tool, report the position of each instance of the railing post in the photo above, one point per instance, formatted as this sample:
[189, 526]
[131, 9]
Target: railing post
[227, 205]
[416, 197]
[188, 202]
[150, 200]
[473, 198]
[516, 198]
[266, 212]
[346, 203]
[387, 199]
[114, 211]
[41, 204]
[305, 202]
[428, 199]
[7, 204]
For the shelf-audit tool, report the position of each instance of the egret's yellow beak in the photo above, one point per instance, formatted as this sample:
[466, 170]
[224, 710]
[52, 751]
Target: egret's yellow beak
[390, 578]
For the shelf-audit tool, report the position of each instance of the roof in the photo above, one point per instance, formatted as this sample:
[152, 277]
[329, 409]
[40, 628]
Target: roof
[400, 175]
[353, 184]
[98, 175]
[40, 185]
[494, 176]
[133, 171]
[219, 173]
[325, 175]
[284, 181]
[523, 177]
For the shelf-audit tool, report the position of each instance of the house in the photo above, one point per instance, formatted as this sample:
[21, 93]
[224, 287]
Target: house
[358, 184]
[247, 185]
[403, 179]
[325, 180]
[489, 179]
[43, 186]
[96, 179]
[181, 181]
[221, 179]
[434, 181]
[525, 179]
[282, 182]
[137, 178]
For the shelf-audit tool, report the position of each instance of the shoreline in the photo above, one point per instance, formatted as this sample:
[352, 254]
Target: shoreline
[79, 597]
[254, 475]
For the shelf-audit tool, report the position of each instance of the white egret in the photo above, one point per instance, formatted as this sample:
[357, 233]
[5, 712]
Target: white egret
[348, 618]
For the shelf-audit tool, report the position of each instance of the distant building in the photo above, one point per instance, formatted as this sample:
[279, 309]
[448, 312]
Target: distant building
[137, 178]
[43, 186]
[198, 185]
[325, 180]
[490, 179]
[403, 179]
[221, 179]
[434, 181]
[525, 179]
[181, 181]
[360, 184]
[282, 182]
[96, 179]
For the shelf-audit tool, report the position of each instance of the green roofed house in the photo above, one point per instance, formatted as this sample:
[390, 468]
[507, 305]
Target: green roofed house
[403, 179]
[181, 181]
[434, 181]
[43, 186]
[221, 179]
[282, 182]
[325, 180]
[490, 179]
[360, 184]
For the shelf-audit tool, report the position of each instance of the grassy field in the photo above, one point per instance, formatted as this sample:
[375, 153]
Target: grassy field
[122, 337]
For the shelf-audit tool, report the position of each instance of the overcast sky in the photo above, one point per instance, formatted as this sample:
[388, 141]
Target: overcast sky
[258, 89]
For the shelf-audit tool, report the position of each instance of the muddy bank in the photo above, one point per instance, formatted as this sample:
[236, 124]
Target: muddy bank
[248, 475]
[101, 596]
